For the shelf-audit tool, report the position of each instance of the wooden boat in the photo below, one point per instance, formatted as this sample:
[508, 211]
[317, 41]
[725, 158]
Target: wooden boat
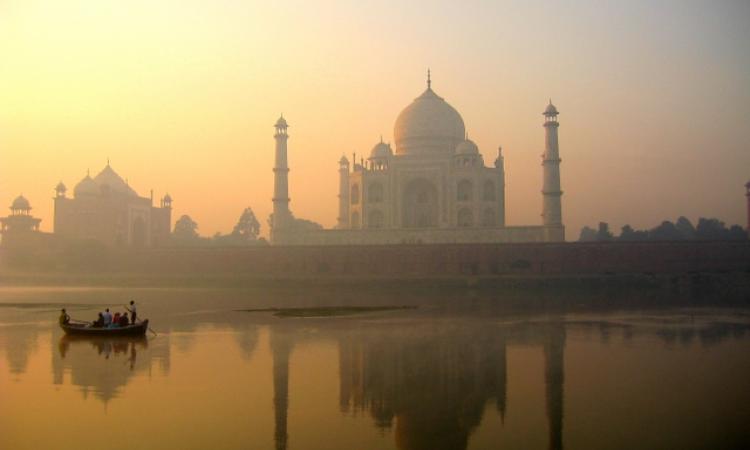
[81, 329]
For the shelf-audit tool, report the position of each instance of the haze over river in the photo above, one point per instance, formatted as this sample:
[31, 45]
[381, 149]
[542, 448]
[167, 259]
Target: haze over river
[460, 371]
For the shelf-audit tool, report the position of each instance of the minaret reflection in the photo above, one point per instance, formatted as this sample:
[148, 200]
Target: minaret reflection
[554, 377]
[281, 348]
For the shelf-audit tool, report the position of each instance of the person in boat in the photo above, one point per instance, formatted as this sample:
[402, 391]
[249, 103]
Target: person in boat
[64, 317]
[123, 321]
[116, 320]
[133, 314]
[107, 318]
[99, 322]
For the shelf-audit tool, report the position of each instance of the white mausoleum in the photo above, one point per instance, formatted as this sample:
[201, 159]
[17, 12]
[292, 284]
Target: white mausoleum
[435, 187]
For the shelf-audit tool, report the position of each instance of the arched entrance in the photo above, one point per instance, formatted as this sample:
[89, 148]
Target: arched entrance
[420, 205]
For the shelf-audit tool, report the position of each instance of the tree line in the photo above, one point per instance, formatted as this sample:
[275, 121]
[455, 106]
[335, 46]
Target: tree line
[707, 229]
[245, 232]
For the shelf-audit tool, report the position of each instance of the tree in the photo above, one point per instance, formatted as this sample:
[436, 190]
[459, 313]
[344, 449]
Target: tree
[248, 227]
[686, 229]
[603, 234]
[667, 231]
[737, 233]
[628, 234]
[588, 234]
[710, 229]
[185, 228]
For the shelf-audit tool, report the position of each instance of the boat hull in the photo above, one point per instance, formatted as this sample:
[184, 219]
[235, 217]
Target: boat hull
[138, 329]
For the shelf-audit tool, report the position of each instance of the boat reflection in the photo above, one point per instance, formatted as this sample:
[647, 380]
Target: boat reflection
[103, 366]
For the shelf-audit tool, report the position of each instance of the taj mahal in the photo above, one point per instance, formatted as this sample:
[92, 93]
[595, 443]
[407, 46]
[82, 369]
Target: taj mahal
[434, 188]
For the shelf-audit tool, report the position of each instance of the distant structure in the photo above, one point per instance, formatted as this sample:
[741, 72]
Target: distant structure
[747, 194]
[20, 220]
[105, 208]
[435, 187]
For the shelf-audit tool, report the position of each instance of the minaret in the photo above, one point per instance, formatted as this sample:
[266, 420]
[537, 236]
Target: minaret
[343, 220]
[551, 193]
[281, 214]
[500, 168]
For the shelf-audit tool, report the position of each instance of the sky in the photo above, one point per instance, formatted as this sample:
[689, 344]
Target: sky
[181, 96]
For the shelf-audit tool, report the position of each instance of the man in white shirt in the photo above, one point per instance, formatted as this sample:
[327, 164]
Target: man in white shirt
[107, 317]
[133, 314]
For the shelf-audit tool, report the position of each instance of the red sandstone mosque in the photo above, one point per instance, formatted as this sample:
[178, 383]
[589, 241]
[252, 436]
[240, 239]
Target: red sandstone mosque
[105, 208]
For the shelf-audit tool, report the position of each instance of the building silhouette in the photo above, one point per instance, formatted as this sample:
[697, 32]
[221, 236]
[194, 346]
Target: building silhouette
[106, 209]
[434, 187]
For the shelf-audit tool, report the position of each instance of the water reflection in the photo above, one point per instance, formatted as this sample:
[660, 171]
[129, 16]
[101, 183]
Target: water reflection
[429, 382]
[425, 381]
[103, 366]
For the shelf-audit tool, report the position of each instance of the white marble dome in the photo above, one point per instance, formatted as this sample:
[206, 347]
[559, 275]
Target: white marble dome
[467, 147]
[429, 125]
[381, 150]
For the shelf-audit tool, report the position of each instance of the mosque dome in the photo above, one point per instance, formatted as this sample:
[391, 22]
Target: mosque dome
[87, 186]
[428, 125]
[109, 179]
[467, 147]
[20, 204]
[381, 150]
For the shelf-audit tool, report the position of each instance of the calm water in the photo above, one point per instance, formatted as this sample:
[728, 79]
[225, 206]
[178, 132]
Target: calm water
[459, 372]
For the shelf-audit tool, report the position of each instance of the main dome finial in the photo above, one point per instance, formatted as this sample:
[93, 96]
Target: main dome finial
[429, 81]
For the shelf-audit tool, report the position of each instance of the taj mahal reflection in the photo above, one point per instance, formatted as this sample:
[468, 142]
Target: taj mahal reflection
[429, 383]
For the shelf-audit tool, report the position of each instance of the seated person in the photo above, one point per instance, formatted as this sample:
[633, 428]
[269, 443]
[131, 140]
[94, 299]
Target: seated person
[123, 321]
[64, 317]
[99, 322]
[116, 320]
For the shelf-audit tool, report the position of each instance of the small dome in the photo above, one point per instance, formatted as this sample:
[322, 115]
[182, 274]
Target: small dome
[381, 150]
[343, 160]
[21, 204]
[428, 125]
[281, 123]
[551, 110]
[87, 186]
[60, 187]
[467, 147]
[167, 198]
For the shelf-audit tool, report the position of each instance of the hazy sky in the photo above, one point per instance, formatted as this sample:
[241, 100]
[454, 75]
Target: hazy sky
[182, 96]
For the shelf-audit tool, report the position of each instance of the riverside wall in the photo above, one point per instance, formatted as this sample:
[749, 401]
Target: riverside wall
[539, 259]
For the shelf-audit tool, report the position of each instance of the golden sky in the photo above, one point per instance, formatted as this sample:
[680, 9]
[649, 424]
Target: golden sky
[182, 95]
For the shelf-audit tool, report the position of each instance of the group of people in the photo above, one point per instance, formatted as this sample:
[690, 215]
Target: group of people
[106, 319]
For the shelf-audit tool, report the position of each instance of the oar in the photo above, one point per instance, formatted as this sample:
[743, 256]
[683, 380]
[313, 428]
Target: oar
[138, 319]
